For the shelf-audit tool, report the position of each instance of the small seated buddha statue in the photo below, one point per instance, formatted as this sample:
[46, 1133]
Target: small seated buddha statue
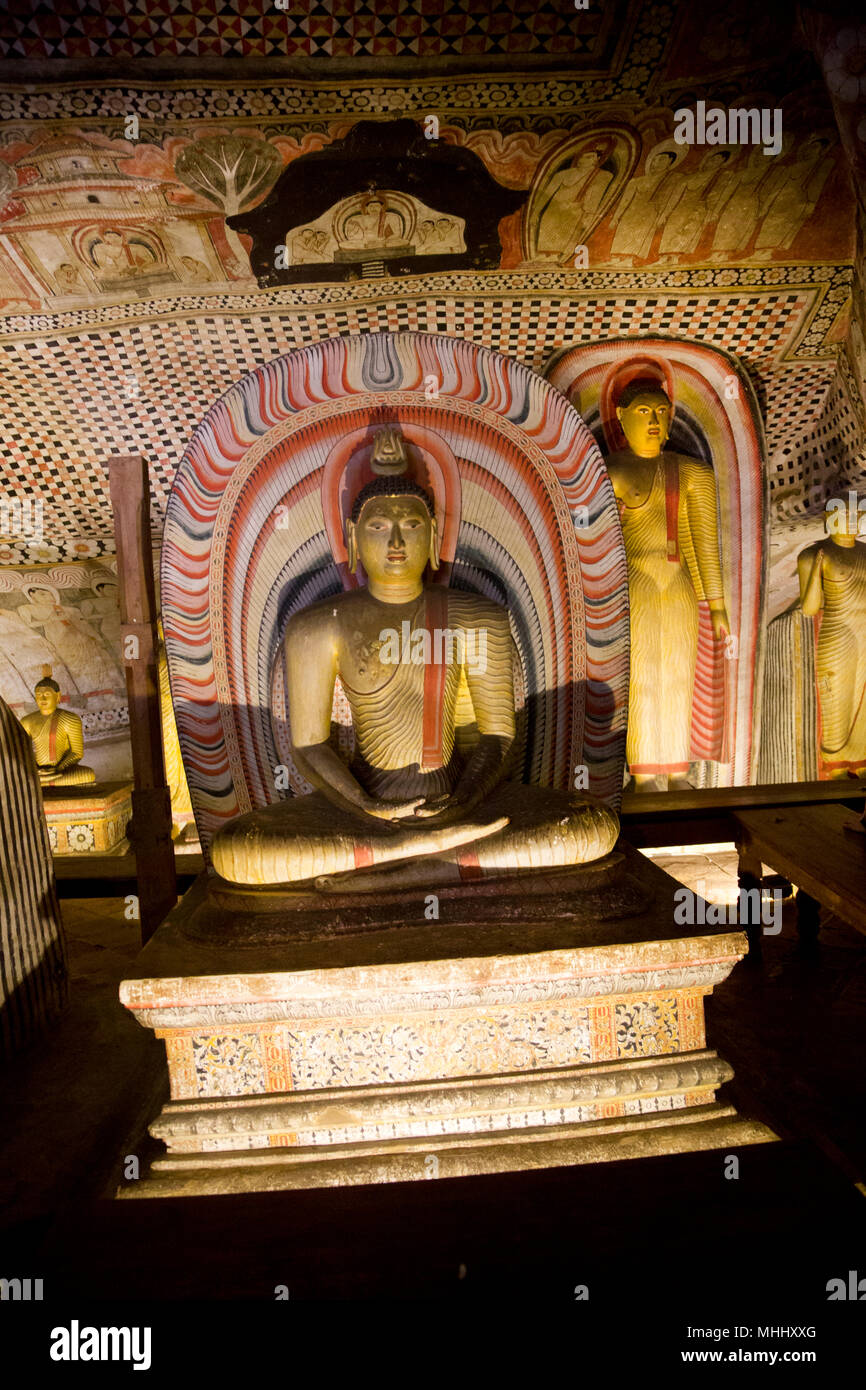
[428, 675]
[58, 738]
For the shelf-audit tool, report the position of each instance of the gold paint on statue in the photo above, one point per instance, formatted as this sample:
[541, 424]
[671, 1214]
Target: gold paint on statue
[58, 738]
[832, 577]
[432, 738]
[175, 776]
[667, 575]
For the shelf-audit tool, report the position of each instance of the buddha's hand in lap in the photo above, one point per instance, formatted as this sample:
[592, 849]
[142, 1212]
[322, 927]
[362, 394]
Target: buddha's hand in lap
[390, 816]
[445, 809]
[434, 823]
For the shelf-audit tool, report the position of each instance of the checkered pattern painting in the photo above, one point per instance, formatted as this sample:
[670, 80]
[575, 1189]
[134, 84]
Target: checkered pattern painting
[121, 380]
[86, 29]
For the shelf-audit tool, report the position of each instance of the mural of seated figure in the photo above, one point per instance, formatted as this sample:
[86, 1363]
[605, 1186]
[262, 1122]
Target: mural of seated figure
[410, 808]
[58, 738]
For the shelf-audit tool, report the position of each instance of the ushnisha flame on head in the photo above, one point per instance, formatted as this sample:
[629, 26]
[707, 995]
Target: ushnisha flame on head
[389, 456]
[390, 463]
[47, 682]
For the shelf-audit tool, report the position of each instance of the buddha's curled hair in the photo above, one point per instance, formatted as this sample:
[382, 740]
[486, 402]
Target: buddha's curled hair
[642, 386]
[391, 487]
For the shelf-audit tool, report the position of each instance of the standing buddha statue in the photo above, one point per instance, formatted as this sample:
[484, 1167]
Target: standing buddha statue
[832, 575]
[669, 514]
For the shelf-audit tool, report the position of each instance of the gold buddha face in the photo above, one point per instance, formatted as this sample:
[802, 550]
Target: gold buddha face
[646, 423]
[47, 699]
[394, 539]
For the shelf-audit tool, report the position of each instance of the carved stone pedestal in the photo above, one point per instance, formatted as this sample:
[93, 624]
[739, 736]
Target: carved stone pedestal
[519, 1030]
[90, 819]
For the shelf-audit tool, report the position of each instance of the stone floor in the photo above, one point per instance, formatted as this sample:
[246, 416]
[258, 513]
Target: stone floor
[789, 1022]
[68, 1102]
[709, 870]
[74, 1106]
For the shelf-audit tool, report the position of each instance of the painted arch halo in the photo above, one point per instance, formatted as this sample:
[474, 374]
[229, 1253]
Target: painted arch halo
[253, 533]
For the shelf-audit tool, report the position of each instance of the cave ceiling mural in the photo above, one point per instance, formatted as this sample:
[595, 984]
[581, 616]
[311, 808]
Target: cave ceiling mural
[185, 192]
[385, 200]
[527, 30]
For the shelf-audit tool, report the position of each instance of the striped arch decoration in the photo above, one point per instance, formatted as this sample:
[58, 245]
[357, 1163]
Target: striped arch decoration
[253, 533]
[716, 417]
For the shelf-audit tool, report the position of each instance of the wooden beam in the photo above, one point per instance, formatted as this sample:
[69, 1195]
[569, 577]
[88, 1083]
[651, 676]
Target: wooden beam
[150, 828]
[705, 800]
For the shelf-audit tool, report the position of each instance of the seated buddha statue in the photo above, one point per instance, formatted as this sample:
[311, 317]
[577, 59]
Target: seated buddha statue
[428, 675]
[58, 738]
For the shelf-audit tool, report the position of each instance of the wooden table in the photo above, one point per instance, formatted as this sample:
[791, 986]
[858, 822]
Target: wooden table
[694, 816]
[811, 846]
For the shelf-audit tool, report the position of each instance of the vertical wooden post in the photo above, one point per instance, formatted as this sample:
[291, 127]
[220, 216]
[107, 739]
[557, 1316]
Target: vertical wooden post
[150, 831]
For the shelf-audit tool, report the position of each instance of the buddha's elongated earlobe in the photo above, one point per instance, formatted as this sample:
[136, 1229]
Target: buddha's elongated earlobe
[351, 547]
[434, 545]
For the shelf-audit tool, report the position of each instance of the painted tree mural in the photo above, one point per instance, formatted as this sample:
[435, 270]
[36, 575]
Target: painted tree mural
[232, 171]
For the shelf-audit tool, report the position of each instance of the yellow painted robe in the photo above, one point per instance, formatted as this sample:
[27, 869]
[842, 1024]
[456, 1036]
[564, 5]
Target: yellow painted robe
[663, 597]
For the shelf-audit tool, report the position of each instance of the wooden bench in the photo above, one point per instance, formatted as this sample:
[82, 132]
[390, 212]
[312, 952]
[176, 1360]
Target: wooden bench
[818, 848]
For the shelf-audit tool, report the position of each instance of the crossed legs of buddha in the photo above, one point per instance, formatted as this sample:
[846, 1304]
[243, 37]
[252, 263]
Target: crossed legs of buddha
[307, 840]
